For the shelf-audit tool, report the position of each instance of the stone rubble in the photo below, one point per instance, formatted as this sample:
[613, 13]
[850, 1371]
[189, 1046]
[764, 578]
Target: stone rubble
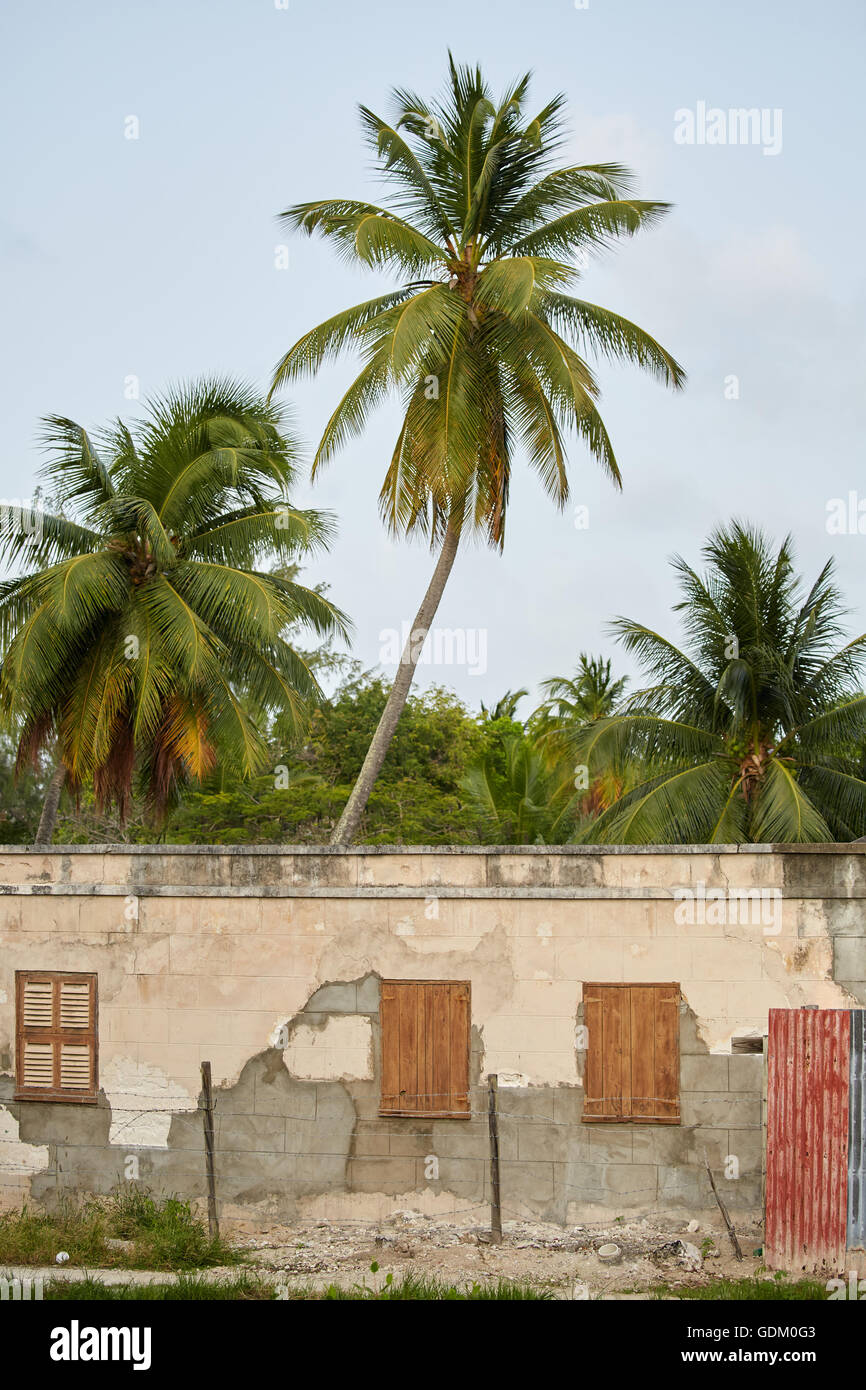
[653, 1252]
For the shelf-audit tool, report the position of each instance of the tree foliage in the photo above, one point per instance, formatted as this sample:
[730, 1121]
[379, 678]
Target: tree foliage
[145, 640]
[749, 734]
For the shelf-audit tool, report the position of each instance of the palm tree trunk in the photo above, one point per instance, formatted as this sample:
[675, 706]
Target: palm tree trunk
[381, 741]
[45, 833]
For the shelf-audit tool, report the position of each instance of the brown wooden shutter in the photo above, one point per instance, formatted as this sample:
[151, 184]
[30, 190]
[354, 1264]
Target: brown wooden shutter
[425, 1047]
[56, 1041]
[633, 1056]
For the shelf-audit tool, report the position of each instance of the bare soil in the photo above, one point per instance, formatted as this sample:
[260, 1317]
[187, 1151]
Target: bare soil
[653, 1253]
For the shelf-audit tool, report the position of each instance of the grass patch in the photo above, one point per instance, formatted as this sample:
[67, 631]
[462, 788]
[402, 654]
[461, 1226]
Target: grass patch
[189, 1288]
[246, 1287]
[750, 1289]
[422, 1288]
[164, 1234]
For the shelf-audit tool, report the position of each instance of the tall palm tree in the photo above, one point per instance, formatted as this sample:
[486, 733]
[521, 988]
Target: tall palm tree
[752, 733]
[144, 628]
[480, 339]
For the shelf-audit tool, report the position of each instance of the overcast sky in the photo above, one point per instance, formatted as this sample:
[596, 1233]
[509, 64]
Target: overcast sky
[154, 258]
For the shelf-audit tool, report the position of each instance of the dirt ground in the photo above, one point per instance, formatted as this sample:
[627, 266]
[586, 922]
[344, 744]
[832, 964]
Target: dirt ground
[652, 1253]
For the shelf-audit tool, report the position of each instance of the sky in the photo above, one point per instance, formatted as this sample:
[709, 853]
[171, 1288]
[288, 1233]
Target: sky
[129, 264]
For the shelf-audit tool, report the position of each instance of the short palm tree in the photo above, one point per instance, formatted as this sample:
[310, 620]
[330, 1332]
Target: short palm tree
[570, 703]
[144, 629]
[591, 693]
[480, 339]
[520, 796]
[752, 733]
[506, 705]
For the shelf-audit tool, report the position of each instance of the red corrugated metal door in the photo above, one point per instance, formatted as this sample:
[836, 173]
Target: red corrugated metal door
[807, 1139]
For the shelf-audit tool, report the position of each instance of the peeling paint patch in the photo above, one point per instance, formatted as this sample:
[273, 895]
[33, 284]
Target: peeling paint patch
[16, 1156]
[342, 1050]
[143, 1100]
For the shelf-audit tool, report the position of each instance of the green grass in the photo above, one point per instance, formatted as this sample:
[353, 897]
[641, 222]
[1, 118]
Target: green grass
[246, 1287]
[164, 1232]
[189, 1288]
[421, 1288]
[773, 1290]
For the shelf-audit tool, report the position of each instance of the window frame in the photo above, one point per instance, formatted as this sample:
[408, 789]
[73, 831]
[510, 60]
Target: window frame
[675, 1100]
[56, 1094]
[447, 1112]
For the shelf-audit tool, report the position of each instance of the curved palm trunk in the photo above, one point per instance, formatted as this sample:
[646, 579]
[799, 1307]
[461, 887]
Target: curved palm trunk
[50, 805]
[381, 741]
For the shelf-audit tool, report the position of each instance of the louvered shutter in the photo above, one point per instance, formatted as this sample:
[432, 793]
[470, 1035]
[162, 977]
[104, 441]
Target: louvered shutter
[632, 1057]
[425, 1048]
[56, 1036]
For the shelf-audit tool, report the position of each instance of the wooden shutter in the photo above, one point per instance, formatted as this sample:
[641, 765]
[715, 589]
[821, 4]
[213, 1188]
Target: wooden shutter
[425, 1048]
[56, 1040]
[633, 1054]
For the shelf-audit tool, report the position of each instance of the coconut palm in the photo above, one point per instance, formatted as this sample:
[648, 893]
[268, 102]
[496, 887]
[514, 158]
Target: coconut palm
[571, 703]
[752, 732]
[480, 339]
[520, 796]
[506, 705]
[144, 629]
[591, 693]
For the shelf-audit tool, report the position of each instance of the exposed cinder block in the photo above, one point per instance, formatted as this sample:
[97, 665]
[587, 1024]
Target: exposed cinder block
[526, 1102]
[525, 1182]
[707, 1073]
[630, 1184]
[849, 958]
[381, 1174]
[542, 1142]
[368, 994]
[369, 1144]
[609, 1143]
[721, 1109]
[259, 1133]
[338, 998]
[691, 1042]
[462, 1176]
[581, 1182]
[459, 1139]
[322, 1172]
[670, 1145]
[411, 1145]
[567, 1104]
[680, 1186]
[746, 1072]
[747, 1147]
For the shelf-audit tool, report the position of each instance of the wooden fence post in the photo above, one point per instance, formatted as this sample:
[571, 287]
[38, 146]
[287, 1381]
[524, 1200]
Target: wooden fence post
[207, 1088]
[495, 1194]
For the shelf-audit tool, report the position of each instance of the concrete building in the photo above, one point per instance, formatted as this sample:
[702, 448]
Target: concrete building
[353, 1004]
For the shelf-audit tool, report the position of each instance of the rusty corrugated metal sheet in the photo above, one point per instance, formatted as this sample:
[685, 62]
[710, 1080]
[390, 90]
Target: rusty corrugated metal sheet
[857, 1134]
[807, 1139]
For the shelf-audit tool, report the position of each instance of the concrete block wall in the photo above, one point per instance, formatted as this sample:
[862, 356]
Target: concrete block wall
[267, 962]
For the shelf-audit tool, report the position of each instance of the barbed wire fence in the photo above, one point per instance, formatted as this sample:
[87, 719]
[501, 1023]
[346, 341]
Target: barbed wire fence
[483, 1104]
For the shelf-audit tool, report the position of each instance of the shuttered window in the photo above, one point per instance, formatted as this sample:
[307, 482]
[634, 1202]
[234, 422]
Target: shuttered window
[632, 1053]
[425, 1048]
[56, 1040]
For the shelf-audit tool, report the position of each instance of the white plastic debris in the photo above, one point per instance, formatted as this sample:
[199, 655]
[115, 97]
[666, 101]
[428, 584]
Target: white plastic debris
[690, 1256]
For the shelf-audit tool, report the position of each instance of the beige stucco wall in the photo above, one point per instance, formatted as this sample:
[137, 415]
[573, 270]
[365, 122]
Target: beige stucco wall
[208, 954]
